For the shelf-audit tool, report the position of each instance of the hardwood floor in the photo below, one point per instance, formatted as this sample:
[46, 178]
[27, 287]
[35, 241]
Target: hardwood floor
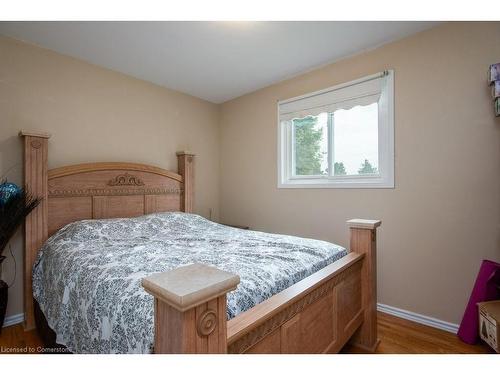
[398, 336]
[15, 340]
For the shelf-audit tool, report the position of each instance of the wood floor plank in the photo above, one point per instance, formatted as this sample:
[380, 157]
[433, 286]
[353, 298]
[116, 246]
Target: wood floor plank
[14, 340]
[398, 336]
[401, 336]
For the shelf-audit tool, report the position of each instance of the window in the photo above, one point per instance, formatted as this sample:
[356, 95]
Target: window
[341, 137]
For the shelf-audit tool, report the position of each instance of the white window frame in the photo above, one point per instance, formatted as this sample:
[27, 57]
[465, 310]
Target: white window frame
[385, 177]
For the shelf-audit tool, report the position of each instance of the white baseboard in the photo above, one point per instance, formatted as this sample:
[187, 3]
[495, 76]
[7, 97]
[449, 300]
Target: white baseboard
[418, 318]
[13, 319]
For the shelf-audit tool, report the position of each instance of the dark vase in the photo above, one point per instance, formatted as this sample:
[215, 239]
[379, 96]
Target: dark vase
[4, 295]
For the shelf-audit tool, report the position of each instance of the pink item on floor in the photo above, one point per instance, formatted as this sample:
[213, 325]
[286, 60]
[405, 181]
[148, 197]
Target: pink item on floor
[486, 288]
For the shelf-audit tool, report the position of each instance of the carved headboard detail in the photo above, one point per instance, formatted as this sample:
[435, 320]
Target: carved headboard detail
[94, 191]
[125, 180]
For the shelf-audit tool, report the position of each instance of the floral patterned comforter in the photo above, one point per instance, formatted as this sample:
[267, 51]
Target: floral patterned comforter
[87, 277]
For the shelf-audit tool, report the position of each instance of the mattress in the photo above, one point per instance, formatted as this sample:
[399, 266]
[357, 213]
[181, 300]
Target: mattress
[87, 276]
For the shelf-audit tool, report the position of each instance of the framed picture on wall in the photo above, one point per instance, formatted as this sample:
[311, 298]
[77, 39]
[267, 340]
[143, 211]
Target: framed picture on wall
[494, 73]
[495, 90]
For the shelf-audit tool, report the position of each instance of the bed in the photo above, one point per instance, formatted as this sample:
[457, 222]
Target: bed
[116, 262]
[87, 277]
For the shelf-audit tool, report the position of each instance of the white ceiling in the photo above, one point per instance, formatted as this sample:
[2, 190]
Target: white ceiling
[216, 61]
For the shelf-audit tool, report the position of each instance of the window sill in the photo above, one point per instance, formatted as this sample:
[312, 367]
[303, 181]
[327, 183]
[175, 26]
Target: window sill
[344, 183]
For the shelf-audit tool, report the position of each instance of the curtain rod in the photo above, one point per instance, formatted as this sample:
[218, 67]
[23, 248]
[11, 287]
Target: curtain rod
[336, 87]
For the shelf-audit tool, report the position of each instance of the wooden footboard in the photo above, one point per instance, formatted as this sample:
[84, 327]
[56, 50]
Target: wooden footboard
[316, 315]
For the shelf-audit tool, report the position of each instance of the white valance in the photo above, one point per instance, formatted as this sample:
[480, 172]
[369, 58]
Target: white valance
[363, 91]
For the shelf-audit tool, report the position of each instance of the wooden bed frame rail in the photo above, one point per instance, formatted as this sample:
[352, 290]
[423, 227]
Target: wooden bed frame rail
[319, 314]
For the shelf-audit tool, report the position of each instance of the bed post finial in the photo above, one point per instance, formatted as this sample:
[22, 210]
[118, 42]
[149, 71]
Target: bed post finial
[190, 309]
[364, 241]
[36, 223]
[185, 162]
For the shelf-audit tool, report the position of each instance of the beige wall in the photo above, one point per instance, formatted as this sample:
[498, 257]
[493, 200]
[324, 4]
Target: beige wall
[439, 222]
[442, 218]
[95, 114]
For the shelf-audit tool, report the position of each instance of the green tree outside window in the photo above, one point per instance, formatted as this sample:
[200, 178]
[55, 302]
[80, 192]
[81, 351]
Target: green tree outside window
[308, 155]
[339, 169]
[367, 168]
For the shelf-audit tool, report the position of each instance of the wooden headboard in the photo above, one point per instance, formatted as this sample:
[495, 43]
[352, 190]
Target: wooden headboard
[94, 191]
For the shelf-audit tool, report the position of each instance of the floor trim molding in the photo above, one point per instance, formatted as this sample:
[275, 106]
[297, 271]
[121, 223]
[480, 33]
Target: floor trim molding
[13, 319]
[418, 318]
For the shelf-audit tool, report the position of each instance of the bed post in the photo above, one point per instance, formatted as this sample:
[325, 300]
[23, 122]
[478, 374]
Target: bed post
[36, 223]
[364, 241]
[190, 309]
[185, 165]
